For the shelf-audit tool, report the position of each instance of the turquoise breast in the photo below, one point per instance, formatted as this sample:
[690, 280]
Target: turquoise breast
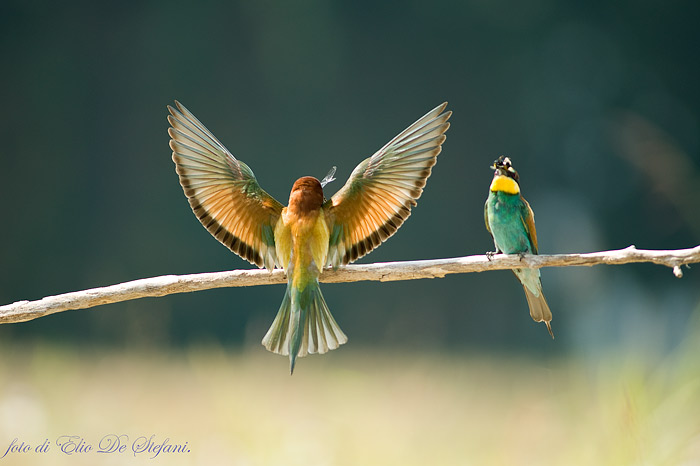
[504, 213]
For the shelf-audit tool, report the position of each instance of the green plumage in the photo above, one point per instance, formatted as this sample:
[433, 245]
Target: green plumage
[504, 214]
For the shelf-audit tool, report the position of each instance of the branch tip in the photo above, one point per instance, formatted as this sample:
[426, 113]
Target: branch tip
[677, 271]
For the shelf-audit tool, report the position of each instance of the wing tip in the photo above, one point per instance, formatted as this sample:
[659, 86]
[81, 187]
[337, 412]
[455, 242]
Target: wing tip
[177, 109]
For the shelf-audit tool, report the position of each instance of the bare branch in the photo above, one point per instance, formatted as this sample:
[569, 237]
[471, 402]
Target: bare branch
[387, 271]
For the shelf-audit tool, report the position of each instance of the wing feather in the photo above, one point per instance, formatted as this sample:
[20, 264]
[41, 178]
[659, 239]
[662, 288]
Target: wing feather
[223, 191]
[379, 195]
[528, 218]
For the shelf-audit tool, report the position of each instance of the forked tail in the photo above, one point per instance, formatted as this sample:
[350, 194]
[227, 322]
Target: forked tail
[303, 325]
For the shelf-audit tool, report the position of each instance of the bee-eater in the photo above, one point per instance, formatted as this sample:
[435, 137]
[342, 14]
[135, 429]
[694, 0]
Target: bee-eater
[311, 232]
[511, 222]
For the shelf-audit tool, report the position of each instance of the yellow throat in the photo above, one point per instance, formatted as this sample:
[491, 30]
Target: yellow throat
[505, 184]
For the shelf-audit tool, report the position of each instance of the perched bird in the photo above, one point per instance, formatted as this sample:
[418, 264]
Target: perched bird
[511, 222]
[311, 232]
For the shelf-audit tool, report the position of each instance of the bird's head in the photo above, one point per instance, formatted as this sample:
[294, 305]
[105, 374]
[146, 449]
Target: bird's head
[505, 178]
[503, 167]
[306, 195]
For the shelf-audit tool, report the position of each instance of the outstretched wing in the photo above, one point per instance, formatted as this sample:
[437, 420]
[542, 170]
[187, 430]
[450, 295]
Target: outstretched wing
[528, 218]
[378, 196]
[223, 191]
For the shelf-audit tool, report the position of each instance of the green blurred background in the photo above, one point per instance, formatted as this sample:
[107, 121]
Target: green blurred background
[597, 104]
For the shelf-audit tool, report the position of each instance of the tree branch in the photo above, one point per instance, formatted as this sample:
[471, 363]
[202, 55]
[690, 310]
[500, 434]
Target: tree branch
[22, 311]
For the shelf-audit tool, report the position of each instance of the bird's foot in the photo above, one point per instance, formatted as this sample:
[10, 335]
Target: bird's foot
[490, 254]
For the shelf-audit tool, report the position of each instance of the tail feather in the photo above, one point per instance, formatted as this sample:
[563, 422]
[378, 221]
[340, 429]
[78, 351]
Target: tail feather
[276, 339]
[303, 325]
[539, 309]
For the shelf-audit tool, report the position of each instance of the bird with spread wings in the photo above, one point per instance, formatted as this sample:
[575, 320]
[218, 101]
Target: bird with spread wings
[311, 232]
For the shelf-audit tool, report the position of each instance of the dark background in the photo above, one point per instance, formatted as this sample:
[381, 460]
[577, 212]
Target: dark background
[597, 104]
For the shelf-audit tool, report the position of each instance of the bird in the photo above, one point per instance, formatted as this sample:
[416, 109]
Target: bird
[511, 223]
[311, 232]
